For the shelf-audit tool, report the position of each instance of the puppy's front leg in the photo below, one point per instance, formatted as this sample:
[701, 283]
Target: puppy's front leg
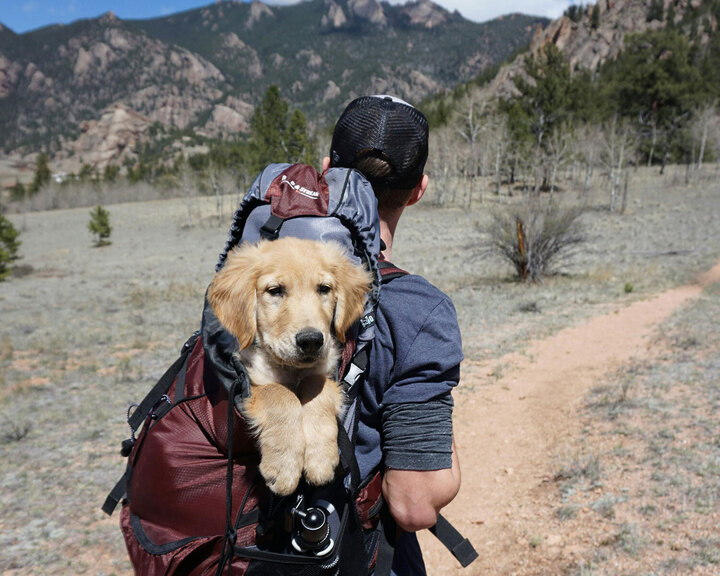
[322, 402]
[276, 415]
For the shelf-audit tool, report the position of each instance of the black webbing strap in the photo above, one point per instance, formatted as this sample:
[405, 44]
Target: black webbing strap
[347, 457]
[228, 552]
[161, 388]
[460, 547]
[116, 494]
[386, 545]
[389, 271]
[271, 229]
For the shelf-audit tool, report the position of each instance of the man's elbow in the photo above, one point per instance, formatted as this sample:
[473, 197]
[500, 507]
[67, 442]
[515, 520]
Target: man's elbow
[414, 518]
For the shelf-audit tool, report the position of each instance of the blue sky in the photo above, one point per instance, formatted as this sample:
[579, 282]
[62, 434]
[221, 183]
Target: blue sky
[24, 15]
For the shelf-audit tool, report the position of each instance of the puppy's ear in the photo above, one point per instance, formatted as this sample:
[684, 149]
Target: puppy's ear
[353, 283]
[232, 294]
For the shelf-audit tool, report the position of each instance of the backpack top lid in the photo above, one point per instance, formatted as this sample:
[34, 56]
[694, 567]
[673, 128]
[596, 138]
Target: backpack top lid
[338, 206]
[295, 200]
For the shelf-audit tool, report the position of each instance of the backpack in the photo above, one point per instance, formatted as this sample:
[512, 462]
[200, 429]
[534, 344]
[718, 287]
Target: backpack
[205, 509]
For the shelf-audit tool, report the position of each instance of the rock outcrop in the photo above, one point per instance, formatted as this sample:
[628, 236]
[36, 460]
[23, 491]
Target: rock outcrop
[370, 10]
[111, 139]
[425, 13]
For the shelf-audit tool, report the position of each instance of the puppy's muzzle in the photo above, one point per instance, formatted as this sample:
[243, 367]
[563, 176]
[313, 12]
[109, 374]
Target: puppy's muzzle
[309, 341]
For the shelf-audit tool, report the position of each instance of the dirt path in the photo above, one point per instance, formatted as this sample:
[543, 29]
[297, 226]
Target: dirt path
[510, 428]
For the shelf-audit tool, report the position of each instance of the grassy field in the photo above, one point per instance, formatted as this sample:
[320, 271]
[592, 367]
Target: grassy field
[86, 331]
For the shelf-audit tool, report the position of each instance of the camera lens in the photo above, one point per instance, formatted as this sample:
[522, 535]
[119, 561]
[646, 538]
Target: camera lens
[314, 527]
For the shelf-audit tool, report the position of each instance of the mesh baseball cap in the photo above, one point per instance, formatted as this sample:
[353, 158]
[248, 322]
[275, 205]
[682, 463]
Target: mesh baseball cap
[385, 125]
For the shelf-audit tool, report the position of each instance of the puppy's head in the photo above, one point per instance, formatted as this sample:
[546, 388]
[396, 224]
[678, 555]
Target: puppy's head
[291, 297]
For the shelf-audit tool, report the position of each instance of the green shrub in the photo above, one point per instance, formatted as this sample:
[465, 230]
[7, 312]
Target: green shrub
[9, 245]
[99, 225]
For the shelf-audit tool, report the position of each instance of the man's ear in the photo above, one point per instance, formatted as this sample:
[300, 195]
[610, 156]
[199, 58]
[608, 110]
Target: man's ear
[325, 163]
[419, 190]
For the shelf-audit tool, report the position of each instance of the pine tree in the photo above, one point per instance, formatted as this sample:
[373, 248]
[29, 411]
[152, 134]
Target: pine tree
[42, 173]
[17, 192]
[276, 138]
[656, 11]
[656, 81]
[300, 146]
[9, 245]
[99, 225]
[267, 129]
[544, 97]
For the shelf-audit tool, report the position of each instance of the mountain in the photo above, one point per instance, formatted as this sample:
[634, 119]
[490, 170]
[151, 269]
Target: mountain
[203, 70]
[591, 35]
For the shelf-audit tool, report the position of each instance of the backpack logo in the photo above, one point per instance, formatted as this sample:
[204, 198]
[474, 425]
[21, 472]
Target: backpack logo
[313, 194]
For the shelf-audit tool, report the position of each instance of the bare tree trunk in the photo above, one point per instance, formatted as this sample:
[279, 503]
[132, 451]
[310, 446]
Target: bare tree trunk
[618, 175]
[186, 183]
[217, 192]
[703, 142]
[623, 206]
[652, 144]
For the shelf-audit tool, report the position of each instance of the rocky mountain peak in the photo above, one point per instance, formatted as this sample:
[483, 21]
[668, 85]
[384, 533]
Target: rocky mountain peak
[587, 44]
[425, 13]
[369, 10]
[258, 10]
[109, 18]
[334, 17]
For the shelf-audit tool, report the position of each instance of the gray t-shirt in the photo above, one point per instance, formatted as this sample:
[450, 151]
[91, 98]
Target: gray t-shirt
[405, 406]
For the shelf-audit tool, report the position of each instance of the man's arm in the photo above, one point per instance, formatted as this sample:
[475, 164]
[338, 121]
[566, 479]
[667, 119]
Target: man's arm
[415, 497]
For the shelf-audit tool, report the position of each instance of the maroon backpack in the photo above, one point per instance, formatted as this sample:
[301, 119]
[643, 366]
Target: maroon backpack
[193, 501]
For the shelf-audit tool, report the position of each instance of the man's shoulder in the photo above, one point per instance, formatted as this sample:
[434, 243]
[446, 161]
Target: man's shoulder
[411, 299]
[412, 286]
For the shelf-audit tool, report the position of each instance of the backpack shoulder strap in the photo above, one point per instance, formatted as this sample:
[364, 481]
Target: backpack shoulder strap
[388, 271]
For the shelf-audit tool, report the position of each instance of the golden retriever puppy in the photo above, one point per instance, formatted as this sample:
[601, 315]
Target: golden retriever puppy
[289, 303]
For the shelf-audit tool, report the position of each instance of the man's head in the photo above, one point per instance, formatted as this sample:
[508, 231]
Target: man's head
[386, 139]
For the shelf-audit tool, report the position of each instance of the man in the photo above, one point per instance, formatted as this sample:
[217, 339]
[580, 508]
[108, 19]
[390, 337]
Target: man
[178, 518]
[405, 420]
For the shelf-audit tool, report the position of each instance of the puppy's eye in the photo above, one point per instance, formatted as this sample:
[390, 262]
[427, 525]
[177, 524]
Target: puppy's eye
[275, 290]
[323, 289]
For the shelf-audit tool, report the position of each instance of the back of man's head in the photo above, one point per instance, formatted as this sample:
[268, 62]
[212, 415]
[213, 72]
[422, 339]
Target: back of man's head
[386, 139]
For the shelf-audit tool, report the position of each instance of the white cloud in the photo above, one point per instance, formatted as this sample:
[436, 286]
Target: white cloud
[483, 11]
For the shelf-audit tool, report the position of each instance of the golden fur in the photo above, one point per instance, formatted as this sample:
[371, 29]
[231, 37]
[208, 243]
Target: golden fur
[289, 302]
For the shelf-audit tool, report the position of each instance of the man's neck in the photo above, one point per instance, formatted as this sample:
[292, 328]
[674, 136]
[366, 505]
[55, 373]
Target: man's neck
[388, 224]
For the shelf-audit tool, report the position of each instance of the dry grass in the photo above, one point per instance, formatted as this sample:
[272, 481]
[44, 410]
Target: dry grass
[86, 332]
[656, 498]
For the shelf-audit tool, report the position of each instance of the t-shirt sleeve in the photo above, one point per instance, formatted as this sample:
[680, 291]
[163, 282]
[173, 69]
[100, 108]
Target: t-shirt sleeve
[417, 404]
[428, 352]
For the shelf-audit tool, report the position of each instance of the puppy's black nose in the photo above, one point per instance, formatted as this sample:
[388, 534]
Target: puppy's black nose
[309, 341]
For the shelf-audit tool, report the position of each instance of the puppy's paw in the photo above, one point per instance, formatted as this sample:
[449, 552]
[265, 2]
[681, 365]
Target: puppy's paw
[321, 459]
[281, 480]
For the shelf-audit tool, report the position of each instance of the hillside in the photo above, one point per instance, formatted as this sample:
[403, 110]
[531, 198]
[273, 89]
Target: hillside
[205, 69]
[592, 35]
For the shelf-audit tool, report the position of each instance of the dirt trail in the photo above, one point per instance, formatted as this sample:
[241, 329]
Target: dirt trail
[510, 429]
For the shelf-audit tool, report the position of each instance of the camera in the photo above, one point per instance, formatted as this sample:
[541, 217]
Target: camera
[311, 527]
